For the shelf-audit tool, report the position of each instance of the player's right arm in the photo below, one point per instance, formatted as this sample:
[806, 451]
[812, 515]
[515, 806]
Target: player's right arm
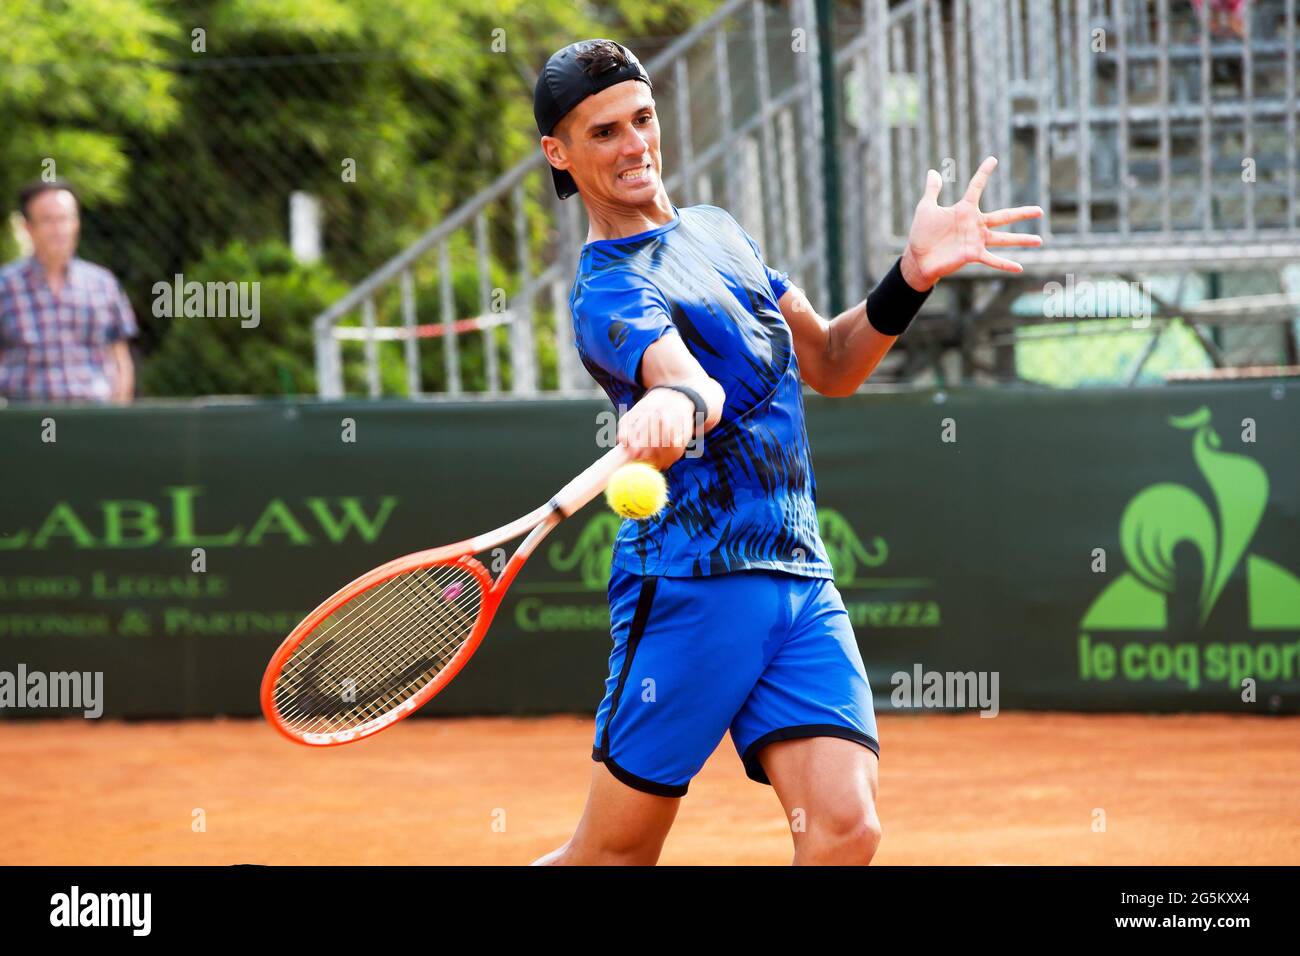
[658, 428]
[624, 326]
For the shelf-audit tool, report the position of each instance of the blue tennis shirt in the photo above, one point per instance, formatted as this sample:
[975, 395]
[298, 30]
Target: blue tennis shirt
[749, 500]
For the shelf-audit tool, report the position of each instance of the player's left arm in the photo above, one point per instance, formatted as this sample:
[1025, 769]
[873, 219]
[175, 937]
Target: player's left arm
[838, 355]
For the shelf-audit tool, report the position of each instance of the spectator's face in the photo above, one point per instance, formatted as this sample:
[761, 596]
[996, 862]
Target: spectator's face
[54, 226]
[610, 145]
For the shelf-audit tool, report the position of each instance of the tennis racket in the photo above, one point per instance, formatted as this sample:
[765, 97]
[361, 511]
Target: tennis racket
[379, 648]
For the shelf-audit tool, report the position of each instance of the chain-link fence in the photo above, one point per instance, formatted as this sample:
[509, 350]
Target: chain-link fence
[356, 139]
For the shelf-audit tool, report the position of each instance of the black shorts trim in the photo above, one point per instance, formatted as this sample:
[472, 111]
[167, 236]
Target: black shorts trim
[638, 783]
[754, 770]
[635, 630]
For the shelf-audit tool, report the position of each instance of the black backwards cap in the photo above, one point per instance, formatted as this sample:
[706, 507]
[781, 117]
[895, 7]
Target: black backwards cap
[565, 82]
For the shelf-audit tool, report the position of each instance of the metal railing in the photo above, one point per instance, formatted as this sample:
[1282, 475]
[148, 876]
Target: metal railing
[1151, 144]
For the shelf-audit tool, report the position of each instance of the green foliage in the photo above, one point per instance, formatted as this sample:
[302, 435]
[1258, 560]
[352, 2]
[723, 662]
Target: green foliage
[217, 356]
[76, 75]
[179, 151]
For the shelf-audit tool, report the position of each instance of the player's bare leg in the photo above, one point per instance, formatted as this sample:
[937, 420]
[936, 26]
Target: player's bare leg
[828, 789]
[620, 826]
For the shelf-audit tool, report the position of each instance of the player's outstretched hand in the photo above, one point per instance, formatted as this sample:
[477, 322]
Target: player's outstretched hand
[943, 239]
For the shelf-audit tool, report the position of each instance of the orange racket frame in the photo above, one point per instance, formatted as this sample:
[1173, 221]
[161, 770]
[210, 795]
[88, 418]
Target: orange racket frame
[537, 524]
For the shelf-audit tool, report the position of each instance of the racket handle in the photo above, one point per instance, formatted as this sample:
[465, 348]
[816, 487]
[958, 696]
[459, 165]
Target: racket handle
[575, 495]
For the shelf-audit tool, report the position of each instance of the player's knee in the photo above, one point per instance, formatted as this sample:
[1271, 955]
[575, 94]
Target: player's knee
[871, 835]
[611, 851]
[843, 837]
[856, 842]
[629, 848]
[615, 846]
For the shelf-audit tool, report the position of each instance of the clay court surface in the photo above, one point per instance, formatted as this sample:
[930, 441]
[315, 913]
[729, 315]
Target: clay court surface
[1020, 788]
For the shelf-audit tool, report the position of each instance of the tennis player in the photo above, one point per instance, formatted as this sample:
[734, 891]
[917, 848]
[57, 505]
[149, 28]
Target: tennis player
[724, 615]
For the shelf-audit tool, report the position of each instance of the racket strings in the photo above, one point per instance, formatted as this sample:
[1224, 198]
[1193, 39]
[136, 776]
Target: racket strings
[379, 606]
[404, 684]
[378, 650]
[334, 697]
[328, 646]
[374, 630]
[382, 607]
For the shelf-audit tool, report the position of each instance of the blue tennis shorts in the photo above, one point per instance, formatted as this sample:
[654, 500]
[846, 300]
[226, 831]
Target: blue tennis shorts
[769, 655]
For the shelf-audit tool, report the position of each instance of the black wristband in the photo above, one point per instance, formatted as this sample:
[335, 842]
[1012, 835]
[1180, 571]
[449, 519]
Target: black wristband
[701, 407]
[893, 303]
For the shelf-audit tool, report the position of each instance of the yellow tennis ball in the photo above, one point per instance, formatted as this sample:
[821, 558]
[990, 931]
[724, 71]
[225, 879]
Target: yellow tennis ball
[637, 490]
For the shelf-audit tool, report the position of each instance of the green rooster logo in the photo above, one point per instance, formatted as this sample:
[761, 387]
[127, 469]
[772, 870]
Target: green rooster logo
[1161, 517]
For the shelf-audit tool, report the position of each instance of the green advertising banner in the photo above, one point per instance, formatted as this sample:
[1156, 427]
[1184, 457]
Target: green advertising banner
[1116, 550]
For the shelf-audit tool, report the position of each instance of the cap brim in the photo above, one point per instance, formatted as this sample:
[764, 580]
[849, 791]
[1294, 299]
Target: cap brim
[564, 184]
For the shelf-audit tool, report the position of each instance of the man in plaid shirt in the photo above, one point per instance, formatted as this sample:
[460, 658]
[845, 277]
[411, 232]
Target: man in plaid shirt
[64, 323]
